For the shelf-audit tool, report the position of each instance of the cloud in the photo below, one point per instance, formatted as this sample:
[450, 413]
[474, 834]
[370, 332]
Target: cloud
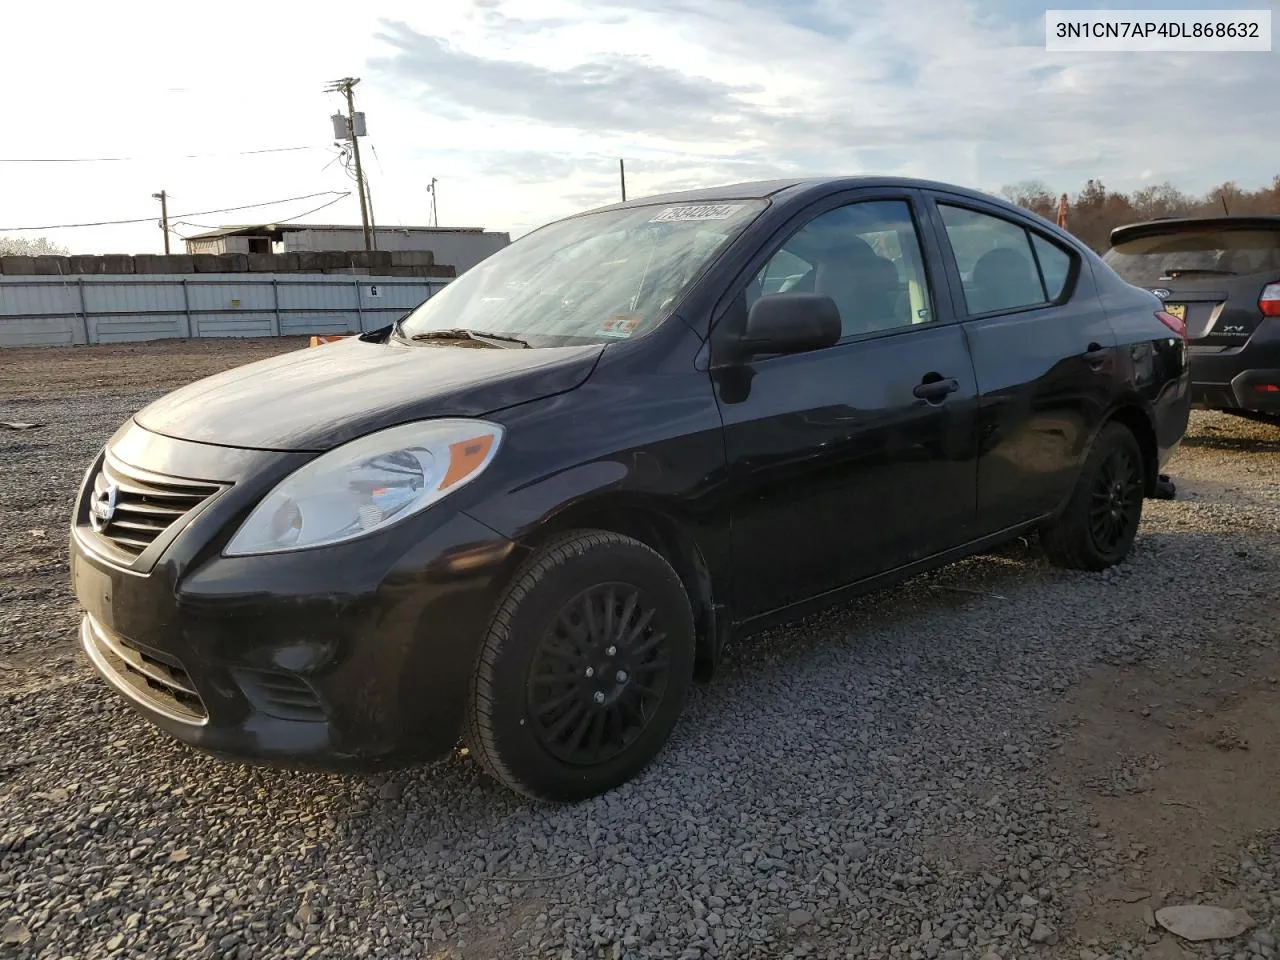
[614, 93]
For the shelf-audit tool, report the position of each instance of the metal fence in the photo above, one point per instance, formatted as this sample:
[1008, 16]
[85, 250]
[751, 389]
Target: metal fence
[44, 310]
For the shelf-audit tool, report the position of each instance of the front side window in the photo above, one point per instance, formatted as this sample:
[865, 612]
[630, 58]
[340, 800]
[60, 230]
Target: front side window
[865, 256]
[616, 274]
[1003, 266]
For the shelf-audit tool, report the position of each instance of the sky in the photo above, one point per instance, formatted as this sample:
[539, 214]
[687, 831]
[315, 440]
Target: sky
[521, 108]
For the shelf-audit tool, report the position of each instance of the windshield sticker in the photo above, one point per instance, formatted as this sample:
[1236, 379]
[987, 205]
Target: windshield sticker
[620, 325]
[701, 211]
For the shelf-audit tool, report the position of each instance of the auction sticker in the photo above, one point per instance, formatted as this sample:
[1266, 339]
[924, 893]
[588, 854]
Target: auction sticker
[698, 211]
[620, 325]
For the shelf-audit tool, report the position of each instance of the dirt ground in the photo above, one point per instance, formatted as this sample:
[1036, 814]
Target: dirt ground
[1177, 765]
[40, 373]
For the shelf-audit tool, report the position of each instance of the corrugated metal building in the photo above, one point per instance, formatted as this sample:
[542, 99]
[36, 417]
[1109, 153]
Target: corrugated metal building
[459, 247]
[63, 311]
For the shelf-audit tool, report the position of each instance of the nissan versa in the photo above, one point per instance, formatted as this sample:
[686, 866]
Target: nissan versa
[528, 514]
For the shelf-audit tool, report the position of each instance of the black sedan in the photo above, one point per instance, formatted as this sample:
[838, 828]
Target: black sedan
[1221, 275]
[529, 514]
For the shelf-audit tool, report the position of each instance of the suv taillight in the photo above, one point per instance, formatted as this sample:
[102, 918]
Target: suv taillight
[1269, 302]
[1173, 323]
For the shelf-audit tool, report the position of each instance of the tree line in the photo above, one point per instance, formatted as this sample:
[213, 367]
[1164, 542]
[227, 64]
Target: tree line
[30, 247]
[1095, 211]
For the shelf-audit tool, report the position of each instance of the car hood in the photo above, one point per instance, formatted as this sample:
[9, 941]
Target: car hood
[317, 398]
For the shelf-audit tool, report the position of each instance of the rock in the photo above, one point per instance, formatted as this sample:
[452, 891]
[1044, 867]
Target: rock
[798, 918]
[1043, 933]
[1197, 922]
[1134, 895]
[15, 933]
[391, 791]
[1029, 902]
[179, 855]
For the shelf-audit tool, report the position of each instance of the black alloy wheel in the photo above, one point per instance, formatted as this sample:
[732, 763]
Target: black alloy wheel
[1096, 528]
[1116, 501]
[584, 670]
[598, 675]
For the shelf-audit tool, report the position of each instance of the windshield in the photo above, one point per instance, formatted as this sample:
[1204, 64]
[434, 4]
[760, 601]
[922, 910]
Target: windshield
[1150, 259]
[616, 274]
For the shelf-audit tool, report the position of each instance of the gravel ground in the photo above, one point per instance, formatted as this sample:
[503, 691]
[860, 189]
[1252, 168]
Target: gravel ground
[1000, 759]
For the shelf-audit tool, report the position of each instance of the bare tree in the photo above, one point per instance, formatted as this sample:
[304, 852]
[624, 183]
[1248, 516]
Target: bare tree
[1032, 195]
[31, 247]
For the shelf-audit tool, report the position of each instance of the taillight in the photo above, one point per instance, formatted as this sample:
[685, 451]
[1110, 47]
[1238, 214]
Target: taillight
[1173, 323]
[1269, 302]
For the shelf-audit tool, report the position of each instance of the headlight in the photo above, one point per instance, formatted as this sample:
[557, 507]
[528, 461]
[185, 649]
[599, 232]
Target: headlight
[368, 484]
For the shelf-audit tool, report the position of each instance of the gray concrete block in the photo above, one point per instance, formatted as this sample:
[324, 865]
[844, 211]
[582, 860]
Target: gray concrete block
[117, 263]
[53, 266]
[308, 261]
[412, 258]
[207, 263]
[159, 263]
[18, 266]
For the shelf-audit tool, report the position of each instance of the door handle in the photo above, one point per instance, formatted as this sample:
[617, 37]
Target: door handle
[936, 390]
[1095, 355]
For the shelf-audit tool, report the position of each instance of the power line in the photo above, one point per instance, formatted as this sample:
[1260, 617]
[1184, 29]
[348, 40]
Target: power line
[198, 213]
[181, 156]
[329, 203]
[296, 216]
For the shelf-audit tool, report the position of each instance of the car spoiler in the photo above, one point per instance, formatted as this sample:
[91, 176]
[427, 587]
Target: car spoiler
[1154, 228]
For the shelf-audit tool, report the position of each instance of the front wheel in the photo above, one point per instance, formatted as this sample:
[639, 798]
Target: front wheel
[1097, 528]
[584, 670]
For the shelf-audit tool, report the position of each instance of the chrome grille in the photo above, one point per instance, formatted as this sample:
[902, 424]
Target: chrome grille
[158, 680]
[137, 506]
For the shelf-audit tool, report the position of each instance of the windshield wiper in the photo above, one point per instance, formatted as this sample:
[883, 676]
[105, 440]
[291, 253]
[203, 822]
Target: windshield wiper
[480, 336]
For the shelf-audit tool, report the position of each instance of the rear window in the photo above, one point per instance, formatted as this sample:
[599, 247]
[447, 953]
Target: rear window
[1167, 256]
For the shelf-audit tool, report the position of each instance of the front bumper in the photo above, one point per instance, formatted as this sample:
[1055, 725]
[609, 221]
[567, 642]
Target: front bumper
[355, 656]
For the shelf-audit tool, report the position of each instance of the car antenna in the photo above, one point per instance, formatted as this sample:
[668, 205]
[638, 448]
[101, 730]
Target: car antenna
[1223, 197]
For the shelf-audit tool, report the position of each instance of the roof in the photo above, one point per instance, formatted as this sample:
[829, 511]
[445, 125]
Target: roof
[277, 230]
[1150, 228]
[761, 189]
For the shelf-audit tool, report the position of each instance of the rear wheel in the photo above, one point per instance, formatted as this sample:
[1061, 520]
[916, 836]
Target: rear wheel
[584, 670]
[1097, 528]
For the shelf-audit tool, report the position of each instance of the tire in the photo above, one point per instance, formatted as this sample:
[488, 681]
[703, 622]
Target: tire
[1113, 480]
[557, 676]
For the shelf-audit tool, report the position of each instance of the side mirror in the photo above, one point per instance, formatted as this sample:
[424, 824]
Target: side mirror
[790, 323]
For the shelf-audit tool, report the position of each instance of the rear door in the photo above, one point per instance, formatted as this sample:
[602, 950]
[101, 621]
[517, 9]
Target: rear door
[1043, 351]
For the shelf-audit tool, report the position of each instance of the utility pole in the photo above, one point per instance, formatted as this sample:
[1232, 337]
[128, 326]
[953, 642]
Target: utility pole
[164, 217]
[344, 86]
[622, 174]
[431, 188]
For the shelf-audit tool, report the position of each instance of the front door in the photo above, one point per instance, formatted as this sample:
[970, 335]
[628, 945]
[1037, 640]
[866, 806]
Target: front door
[855, 459]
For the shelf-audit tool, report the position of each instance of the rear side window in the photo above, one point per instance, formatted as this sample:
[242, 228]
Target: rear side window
[1195, 251]
[1003, 266]
[1055, 265]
